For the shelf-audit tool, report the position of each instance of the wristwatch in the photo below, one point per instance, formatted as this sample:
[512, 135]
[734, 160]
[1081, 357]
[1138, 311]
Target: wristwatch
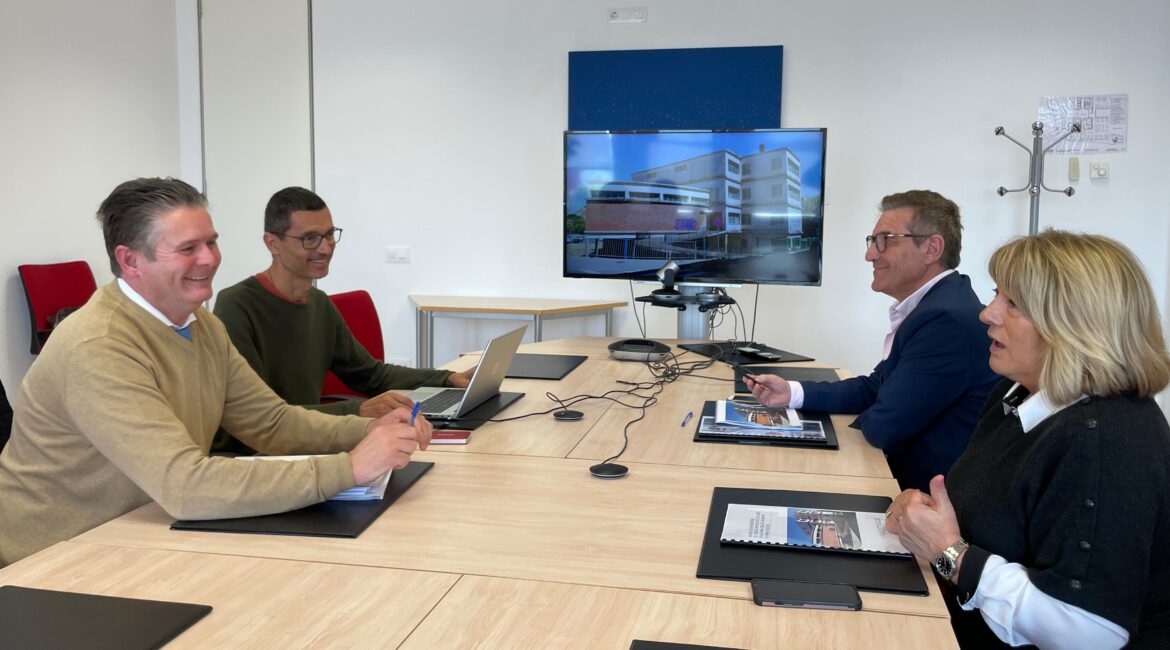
[946, 561]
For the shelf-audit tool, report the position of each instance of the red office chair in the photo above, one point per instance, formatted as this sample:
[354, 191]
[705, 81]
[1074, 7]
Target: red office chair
[52, 290]
[357, 309]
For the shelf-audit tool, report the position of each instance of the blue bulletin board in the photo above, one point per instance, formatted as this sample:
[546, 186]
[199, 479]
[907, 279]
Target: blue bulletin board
[696, 88]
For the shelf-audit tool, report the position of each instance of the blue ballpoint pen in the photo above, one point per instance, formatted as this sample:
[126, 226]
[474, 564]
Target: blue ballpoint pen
[690, 414]
[414, 413]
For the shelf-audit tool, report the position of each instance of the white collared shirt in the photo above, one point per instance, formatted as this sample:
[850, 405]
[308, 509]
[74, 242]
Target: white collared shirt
[898, 313]
[1014, 608]
[150, 309]
[903, 308]
[1037, 408]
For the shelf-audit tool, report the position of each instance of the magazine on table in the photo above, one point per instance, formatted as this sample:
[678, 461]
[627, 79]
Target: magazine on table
[839, 530]
[756, 416]
[810, 430]
[372, 491]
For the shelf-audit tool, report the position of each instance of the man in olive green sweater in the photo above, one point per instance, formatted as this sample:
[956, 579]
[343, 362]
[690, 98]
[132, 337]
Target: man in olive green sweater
[121, 405]
[291, 333]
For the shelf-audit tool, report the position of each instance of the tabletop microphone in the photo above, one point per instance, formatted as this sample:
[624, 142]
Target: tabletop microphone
[567, 415]
[609, 470]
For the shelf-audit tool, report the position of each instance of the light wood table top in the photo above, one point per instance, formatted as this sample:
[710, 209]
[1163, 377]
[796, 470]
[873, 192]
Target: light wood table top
[541, 435]
[530, 306]
[658, 438]
[257, 603]
[484, 612]
[533, 518]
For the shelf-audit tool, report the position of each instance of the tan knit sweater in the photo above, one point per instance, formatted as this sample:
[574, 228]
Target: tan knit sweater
[119, 409]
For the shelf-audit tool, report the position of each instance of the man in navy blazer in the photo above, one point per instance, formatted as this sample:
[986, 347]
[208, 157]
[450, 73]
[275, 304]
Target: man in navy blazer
[921, 403]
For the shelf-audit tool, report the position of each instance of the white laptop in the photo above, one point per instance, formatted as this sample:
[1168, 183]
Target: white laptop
[440, 403]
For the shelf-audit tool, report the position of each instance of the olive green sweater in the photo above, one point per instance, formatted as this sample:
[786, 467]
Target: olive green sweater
[292, 345]
[119, 409]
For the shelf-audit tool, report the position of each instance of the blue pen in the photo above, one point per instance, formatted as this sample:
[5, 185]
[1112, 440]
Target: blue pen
[690, 414]
[414, 413]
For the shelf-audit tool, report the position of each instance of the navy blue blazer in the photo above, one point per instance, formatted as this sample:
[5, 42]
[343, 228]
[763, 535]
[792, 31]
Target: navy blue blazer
[921, 404]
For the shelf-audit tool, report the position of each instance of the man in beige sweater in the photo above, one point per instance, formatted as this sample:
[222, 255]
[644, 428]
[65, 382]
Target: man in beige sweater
[121, 406]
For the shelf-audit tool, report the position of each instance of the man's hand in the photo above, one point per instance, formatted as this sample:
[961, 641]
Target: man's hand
[461, 379]
[770, 390]
[925, 523]
[388, 444]
[376, 407]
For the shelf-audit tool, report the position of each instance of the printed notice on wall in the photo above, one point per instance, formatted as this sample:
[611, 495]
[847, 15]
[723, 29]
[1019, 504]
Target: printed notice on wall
[1104, 121]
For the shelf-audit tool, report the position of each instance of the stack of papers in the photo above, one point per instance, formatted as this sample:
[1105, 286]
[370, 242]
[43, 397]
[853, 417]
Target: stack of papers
[752, 420]
[756, 416]
[843, 530]
[371, 491]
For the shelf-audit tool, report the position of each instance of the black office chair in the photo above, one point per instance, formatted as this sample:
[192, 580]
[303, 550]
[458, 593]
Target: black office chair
[5, 418]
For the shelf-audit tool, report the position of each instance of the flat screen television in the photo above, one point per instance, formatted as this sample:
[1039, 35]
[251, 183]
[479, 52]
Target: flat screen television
[729, 207]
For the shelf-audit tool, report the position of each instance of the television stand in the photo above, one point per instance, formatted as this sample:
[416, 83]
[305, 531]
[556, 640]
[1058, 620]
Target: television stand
[692, 312]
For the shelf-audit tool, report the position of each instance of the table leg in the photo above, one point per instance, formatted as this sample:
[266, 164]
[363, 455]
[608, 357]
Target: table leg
[430, 340]
[420, 337]
[539, 333]
[609, 322]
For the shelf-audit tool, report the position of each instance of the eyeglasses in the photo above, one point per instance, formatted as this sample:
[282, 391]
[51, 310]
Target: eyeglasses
[313, 240]
[882, 239]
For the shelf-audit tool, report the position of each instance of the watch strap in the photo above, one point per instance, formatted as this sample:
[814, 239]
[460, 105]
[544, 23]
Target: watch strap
[950, 555]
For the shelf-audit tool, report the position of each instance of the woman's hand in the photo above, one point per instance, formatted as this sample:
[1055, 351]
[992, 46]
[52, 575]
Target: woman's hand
[924, 523]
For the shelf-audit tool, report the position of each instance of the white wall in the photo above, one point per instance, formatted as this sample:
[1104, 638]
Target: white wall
[256, 120]
[910, 92]
[88, 100]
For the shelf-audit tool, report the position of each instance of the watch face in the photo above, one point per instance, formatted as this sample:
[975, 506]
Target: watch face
[944, 565]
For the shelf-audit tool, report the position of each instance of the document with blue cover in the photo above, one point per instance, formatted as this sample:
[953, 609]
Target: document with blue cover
[834, 530]
[371, 491]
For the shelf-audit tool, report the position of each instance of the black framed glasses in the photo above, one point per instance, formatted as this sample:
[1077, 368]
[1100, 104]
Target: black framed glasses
[882, 239]
[313, 240]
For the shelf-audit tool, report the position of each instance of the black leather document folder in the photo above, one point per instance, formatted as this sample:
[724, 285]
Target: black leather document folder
[788, 372]
[477, 416]
[543, 366]
[830, 441]
[42, 619]
[896, 574]
[729, 351]
[639, 644]
[328, 519]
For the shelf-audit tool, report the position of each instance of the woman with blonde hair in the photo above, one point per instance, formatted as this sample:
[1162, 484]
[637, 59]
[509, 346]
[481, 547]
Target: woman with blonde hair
[1053, 527]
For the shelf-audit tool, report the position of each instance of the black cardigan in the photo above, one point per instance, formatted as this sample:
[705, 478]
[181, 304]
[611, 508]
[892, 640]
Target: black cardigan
[1082, 501]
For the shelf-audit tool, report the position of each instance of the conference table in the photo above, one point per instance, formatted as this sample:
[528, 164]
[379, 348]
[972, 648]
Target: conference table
[509, 542]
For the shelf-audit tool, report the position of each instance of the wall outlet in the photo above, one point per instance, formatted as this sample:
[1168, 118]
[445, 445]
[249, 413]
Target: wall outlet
[398, 254]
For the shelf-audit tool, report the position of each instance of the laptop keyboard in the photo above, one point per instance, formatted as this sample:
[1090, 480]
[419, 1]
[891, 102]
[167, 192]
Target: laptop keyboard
[442, 400]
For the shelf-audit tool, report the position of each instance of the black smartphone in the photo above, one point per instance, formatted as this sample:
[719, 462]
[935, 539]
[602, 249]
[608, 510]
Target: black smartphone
[813, 595]
[741, 368]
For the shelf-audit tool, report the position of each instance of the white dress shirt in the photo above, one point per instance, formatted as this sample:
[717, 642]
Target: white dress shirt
[150, 309]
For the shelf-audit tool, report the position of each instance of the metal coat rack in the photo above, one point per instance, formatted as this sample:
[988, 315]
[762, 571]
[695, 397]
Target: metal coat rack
[1036, 169]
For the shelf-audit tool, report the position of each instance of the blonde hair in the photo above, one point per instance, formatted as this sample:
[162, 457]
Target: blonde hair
[1092, 304]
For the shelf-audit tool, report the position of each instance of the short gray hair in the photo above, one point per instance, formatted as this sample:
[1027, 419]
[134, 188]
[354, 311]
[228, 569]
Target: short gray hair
[128, 213]
[934, 214]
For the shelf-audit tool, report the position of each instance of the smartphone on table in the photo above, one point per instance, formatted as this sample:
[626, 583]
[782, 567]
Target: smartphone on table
[812, 595]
